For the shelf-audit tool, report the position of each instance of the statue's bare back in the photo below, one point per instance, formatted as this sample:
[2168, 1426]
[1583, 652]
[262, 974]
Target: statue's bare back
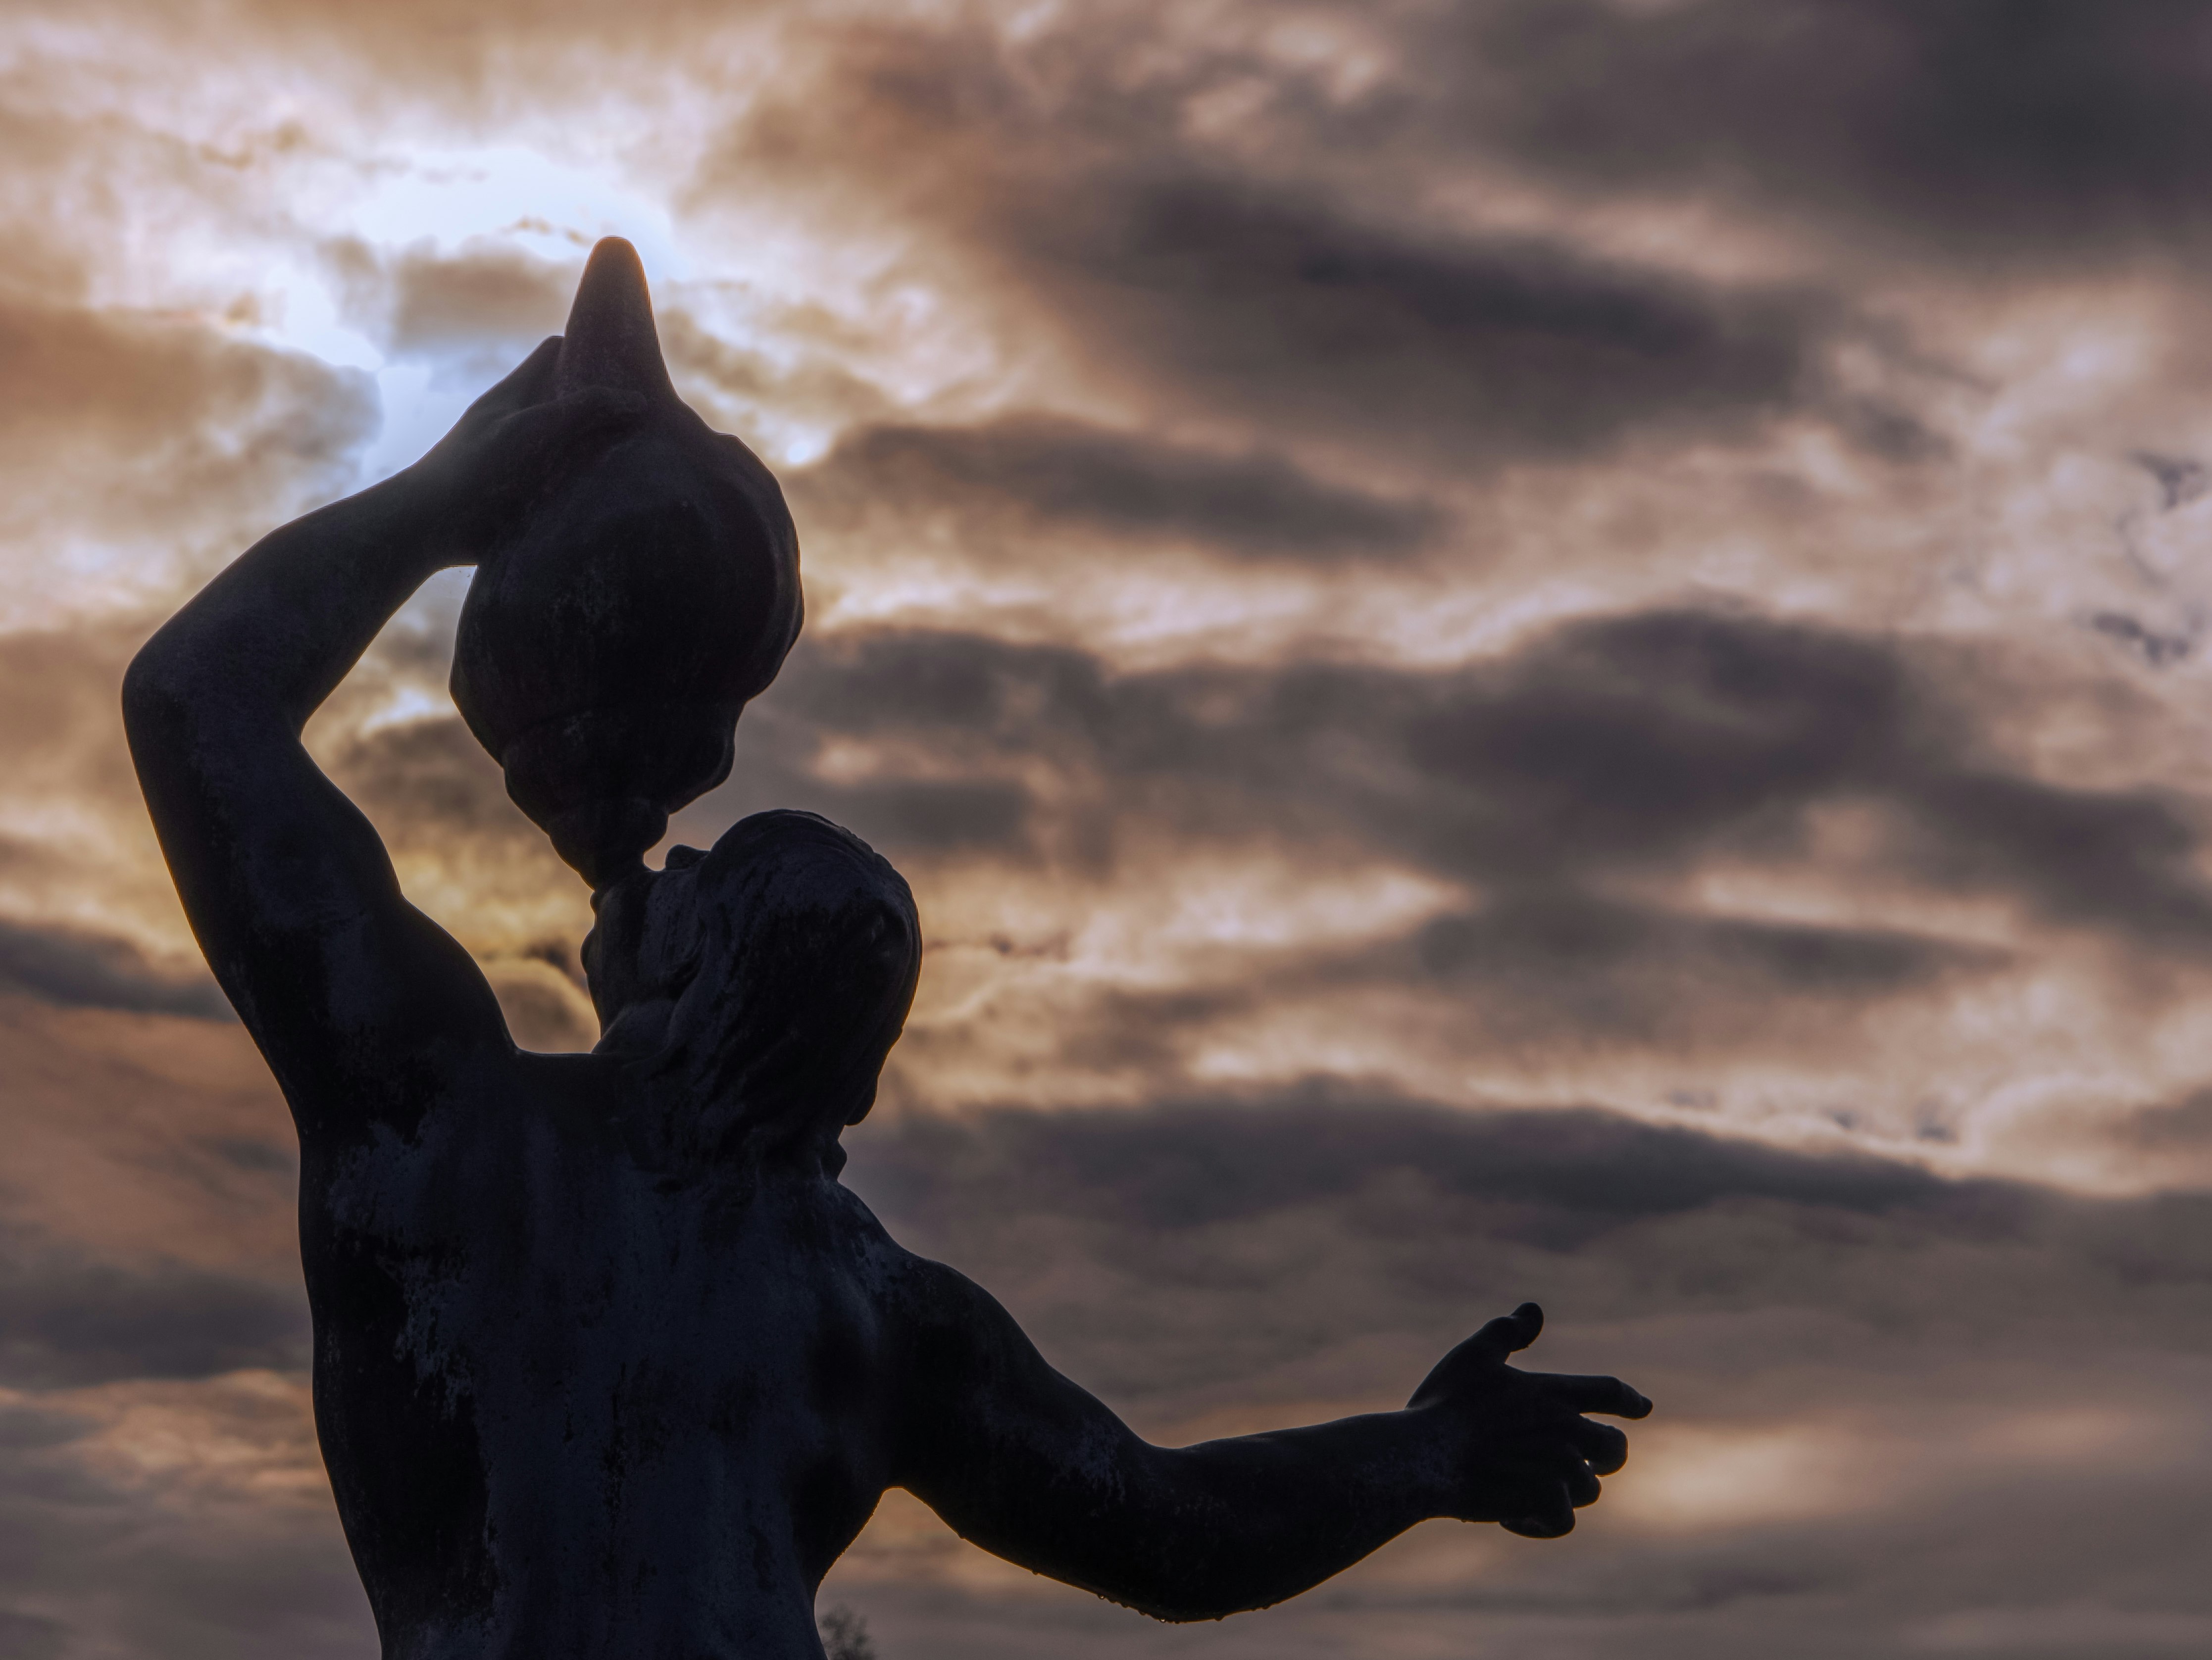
[652, 1406]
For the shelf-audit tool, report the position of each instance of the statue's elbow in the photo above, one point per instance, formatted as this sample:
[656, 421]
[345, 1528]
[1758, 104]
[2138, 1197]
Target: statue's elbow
[1187, 1601]
[159, 694]
[1193, 1608]
[153, 686]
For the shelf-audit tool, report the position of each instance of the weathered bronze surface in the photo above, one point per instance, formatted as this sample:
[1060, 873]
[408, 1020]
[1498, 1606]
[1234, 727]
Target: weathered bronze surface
[608, 1363]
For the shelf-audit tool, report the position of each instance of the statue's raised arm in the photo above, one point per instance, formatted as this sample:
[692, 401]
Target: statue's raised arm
[347, 988]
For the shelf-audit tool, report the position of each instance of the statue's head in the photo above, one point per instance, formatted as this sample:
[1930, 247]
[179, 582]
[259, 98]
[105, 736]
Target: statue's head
[764, 982]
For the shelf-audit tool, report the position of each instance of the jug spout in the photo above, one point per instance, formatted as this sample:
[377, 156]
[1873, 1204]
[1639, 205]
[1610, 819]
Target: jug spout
[611, 340]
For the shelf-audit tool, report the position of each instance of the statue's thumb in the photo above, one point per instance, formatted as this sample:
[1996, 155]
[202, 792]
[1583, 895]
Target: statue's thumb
[1510, 1333]
[1488, 1348]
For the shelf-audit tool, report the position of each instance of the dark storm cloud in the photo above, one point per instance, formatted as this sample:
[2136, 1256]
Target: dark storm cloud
[2110, 859]
[67, 1321]
[2063, 129]
[1634, 743]
[1562, 965]
[76, 970]
[2173, 1127]
[1296, 292]
[1056, 474]
[1638, 739]
[1289, 308]
[1565, 933]
[1635, 739]
[1297, 1223]
[1187, 1164]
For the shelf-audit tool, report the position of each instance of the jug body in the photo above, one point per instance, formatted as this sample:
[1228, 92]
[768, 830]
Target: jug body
[611, 636]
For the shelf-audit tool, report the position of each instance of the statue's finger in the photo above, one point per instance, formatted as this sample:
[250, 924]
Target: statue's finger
[1535, 1530]
[1583, 1486]
[1509, 1334]
[528, 382]
[1551, 1516]
[1607, 1395]
[1606, 1447]
[1560, 1466]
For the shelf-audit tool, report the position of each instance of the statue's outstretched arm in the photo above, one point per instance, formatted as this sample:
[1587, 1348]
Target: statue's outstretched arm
[1021, 1461]
[349, 990]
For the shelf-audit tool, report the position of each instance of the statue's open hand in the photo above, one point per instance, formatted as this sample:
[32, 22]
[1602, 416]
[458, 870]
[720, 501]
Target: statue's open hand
[518, 439]
[1525, 1456]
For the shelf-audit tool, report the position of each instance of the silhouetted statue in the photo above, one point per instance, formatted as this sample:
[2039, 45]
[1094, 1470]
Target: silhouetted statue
[607, 1362]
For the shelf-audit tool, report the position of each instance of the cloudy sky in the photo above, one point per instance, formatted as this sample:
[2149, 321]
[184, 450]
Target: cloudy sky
[1518, 649]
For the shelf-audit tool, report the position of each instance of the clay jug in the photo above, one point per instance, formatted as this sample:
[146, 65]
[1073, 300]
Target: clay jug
[611, 636]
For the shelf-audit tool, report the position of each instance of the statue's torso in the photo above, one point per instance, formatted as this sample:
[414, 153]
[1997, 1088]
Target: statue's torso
[572, 1408]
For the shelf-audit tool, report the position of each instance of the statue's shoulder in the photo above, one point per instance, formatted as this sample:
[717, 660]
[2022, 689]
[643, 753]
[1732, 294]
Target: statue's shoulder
[901, 1281]
[914, 1294]
[865, 1239]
